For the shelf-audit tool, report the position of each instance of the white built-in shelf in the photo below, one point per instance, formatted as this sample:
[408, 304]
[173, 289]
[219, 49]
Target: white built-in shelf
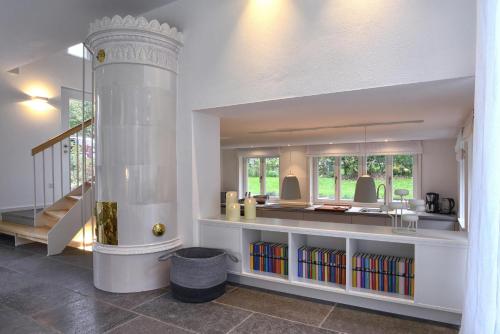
[266, 276]
[369, 232]
[440, 261]
[320, 285]
[381, 295]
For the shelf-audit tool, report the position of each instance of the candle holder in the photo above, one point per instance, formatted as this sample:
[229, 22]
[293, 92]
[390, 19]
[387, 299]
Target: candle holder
[233, 211]
[250, 208]
[404, 223]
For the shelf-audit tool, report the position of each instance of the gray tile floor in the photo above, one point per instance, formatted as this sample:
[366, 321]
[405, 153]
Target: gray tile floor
[40, 294]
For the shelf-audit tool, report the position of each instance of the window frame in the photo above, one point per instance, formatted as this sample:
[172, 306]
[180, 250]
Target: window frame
[362, 170]
[262, 175]
[315, 187]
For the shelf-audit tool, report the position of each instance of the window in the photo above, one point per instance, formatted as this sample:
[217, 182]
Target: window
[272, 179]
[262, 176]
[253, 176]
[348, 176]
[326, 178]
[375, 167]
[334, 178]
[77, 51]
[402, 174]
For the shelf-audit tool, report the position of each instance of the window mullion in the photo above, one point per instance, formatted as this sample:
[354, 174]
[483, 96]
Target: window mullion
[315, 179]
[389, 177]
[262, 175]
[245, 176]
[337, 179]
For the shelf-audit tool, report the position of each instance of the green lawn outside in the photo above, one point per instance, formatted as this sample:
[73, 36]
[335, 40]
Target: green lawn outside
[326, 189]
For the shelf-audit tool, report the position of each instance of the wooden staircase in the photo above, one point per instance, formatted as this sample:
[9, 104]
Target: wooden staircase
[56, 225]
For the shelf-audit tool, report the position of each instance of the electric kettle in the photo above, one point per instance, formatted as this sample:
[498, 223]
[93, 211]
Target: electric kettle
[446, 205]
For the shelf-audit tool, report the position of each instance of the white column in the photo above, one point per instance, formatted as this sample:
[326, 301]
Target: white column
[136, 89]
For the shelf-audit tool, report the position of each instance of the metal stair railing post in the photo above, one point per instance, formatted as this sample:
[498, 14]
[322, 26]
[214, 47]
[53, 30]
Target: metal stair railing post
[43, 177]
[93, 181]
[84, 149]
[34, 189]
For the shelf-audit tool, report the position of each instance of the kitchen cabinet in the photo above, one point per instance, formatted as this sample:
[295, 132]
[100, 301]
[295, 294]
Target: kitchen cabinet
[370, 220]
[427, 221]
[280, 214]
[327, 217]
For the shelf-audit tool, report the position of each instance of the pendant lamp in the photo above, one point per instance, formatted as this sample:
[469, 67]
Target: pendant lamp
[290, 188]
[365, 186]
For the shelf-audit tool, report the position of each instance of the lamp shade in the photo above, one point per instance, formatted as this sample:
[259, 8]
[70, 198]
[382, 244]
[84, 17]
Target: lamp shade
[290, 188]
[365, 190]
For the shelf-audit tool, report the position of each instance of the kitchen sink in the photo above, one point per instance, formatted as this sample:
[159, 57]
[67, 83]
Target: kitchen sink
[370, 210]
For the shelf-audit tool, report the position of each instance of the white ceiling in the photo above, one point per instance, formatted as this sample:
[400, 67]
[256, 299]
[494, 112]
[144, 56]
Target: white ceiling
[442, 105]
[33, 29]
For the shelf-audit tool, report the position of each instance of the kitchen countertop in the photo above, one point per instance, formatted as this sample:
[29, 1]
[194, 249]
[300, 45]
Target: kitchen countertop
[353, 211]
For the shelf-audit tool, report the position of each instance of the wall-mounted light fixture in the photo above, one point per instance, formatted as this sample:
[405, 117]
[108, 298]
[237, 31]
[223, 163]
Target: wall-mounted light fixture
[38, 103]
[40, 99]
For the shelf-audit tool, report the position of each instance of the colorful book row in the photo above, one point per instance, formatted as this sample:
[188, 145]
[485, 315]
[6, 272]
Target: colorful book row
[383, 273]
[321, 264]
[269, 257]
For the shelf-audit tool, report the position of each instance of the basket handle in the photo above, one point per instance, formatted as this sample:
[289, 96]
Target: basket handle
[165, 257]
[232, 258]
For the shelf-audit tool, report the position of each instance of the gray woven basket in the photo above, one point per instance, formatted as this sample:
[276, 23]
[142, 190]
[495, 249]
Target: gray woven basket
[198, 274]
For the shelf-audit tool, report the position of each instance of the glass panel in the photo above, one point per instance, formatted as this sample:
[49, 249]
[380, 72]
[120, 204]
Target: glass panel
[402, 174]
[272, 167]
[75, 111]
[375, 167]
[253, 176]
[348, 175]
[76, 146]
[326, 178]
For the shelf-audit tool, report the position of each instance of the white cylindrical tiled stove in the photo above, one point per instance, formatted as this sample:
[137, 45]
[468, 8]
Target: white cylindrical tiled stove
[135, 79]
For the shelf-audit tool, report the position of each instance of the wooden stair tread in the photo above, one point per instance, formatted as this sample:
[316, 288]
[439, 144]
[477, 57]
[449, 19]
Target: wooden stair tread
[39, 232]
[57, 214]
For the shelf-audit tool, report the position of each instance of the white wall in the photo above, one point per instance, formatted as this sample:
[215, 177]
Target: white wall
[22, 128]
[229, 170]
[238, 52]
[206, 162]
[439, 168]
[246, 51]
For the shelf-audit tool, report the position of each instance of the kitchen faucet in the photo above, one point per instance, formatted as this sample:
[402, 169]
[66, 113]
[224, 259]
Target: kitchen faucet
[385, 193]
